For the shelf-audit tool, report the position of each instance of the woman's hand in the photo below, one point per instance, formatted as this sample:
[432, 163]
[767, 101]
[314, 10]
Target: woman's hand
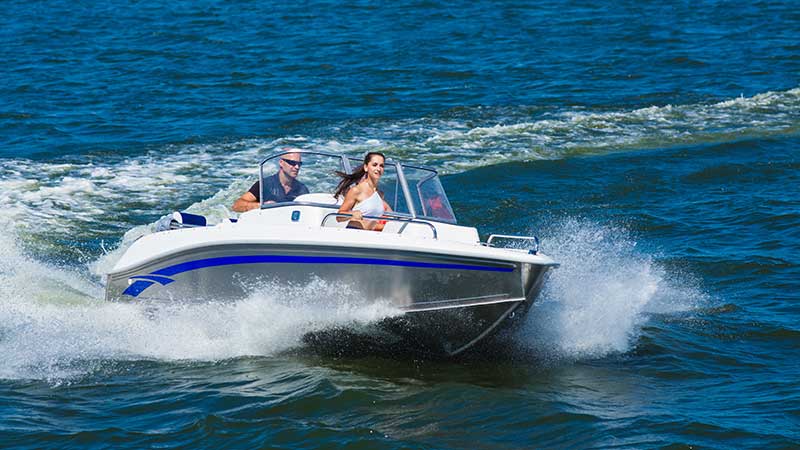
[357, 215]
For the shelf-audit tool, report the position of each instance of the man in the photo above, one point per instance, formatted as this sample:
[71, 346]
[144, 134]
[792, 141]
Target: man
[281, 187]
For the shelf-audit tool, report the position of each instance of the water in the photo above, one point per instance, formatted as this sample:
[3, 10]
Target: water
[652, 147]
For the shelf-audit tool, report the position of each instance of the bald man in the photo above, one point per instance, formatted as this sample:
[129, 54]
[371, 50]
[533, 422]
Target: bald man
[278, 188]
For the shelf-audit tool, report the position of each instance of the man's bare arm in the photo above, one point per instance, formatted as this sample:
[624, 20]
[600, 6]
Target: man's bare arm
[246, 202]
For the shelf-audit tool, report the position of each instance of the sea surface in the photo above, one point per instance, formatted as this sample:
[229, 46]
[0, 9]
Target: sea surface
[654, 147]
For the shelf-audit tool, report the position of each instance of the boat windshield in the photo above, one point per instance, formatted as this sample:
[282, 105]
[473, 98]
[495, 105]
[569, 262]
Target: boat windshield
[410, 191]
[316, 172]
[425, 197]
[427, 194]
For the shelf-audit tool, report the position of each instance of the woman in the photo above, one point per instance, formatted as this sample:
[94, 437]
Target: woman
[363, 199]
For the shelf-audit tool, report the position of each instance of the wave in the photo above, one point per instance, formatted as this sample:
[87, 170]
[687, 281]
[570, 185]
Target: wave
[577, 132]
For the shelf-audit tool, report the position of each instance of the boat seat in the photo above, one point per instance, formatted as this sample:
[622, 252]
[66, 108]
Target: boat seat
[407, 229]
[319, 197]
[178, 220]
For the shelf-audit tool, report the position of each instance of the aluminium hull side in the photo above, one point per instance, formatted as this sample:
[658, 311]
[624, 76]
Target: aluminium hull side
[434, 333]
[448, 303]
[408, 279]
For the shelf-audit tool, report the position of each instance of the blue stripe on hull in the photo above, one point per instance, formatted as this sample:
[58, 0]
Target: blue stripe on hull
[162, 280]
[137, 287]
[160, 275]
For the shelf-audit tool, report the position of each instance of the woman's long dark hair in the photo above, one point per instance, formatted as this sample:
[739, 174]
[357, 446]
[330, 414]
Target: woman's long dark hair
[348, 179]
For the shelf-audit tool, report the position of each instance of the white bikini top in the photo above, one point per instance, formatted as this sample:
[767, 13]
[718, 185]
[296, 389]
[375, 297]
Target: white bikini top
[372, 206]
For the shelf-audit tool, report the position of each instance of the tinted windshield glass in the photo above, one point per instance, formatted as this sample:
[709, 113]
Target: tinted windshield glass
[427, 194]
[316, 171]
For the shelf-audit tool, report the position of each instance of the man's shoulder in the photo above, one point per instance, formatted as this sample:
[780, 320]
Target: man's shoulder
[254, 188]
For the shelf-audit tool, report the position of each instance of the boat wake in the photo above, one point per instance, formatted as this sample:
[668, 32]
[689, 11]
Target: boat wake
[97, 198]
[54, 324]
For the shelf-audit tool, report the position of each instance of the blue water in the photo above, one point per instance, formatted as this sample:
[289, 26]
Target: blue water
[653, 148]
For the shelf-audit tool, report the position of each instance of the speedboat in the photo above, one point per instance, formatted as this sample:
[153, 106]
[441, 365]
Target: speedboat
[451, 290]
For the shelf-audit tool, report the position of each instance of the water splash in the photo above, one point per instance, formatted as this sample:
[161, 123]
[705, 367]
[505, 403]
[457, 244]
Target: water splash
[605, 291]
[54, 324]
[60, 340]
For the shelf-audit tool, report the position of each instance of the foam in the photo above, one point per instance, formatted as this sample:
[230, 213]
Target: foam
[561, 133]
[61, 341]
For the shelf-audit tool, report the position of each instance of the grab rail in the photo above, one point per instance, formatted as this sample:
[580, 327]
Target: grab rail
[532, 251]
[405, 221]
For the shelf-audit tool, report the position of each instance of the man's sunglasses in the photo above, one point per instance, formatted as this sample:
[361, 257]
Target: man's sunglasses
[292, 163]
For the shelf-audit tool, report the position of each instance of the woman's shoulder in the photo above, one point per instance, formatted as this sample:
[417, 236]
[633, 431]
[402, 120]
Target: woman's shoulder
[354, 190]
[361, 187]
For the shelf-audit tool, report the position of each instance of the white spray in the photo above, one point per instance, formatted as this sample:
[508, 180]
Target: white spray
[597, 302]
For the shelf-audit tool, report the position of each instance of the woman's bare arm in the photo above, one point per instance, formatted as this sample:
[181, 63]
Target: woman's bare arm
[348, 204]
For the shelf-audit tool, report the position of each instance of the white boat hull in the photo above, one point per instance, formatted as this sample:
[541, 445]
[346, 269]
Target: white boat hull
[449, 302]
